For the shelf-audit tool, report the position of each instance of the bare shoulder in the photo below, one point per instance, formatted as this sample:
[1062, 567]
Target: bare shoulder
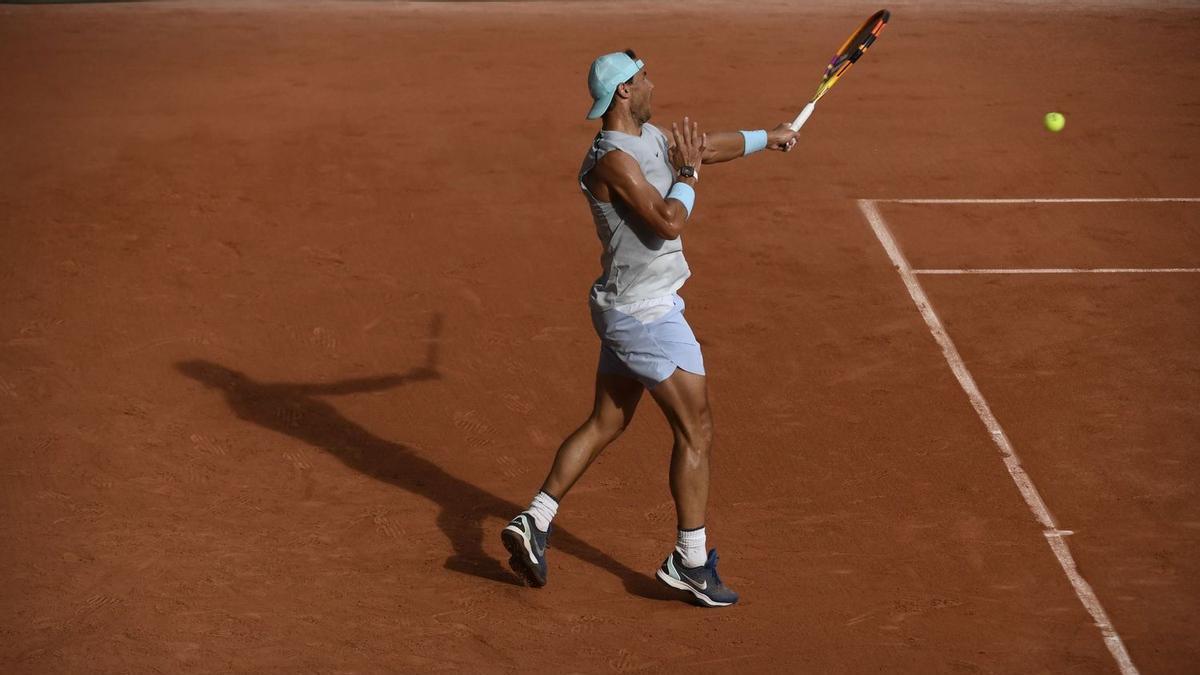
[611, 173]
[617, 166]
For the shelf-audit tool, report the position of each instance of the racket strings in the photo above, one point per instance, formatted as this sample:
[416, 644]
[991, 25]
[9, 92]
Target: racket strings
[851, 51]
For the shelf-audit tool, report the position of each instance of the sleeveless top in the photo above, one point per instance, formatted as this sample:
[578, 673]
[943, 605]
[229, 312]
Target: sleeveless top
[636, 264]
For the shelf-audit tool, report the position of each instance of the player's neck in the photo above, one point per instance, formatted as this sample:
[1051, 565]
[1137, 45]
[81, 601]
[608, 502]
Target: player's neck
[622, 121]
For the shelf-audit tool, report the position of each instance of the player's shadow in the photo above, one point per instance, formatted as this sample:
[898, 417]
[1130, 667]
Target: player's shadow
[297, 410]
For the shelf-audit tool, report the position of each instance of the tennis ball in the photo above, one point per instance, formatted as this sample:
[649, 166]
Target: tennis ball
[1055, 121]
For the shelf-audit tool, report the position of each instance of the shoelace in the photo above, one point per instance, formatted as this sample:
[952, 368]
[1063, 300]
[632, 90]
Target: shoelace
[713, 569]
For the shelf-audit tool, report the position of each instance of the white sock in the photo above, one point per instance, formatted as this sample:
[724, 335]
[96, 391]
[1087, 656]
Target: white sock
[543, 507]
[690, 545]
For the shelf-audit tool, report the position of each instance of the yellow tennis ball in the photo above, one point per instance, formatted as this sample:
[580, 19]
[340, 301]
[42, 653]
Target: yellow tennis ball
[1055, 121]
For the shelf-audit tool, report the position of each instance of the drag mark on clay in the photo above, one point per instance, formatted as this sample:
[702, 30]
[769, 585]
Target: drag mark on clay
[323, 338]
[190, 339]
[191, 474]
[542, 440]
[290, 414]
[517, 404]
[207, 445]
[298, 459]
[725, 659]
[626, 661]
[587, 622]
[662, 513]
[477, 431]
[94, 605]
[510, 467]
[238, 503]
[321, 255]
[861, 617]
[551, 333]
[386, 526]
[902, 610]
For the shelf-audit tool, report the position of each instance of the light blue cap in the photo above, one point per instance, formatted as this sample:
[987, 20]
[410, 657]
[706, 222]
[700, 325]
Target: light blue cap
[607, 72]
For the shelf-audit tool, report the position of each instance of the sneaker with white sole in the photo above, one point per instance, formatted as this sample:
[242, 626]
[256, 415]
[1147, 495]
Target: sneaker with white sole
[701, 582]
[527, 546]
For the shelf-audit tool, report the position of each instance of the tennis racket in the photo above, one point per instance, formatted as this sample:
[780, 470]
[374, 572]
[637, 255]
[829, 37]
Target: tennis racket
[850, 53]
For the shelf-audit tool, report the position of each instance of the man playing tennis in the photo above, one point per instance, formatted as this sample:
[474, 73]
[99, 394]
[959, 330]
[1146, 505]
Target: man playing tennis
[640, 186]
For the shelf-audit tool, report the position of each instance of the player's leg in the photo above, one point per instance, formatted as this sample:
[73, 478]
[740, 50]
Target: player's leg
[683, 398]
[527, 535]
[615, 402]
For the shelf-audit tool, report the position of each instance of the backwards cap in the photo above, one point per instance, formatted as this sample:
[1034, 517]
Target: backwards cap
[607, 72]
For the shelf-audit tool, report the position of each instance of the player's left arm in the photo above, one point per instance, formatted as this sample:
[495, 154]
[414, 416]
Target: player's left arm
[726, 145]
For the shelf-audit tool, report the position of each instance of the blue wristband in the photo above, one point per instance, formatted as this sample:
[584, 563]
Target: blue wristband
[683, 193]
[755, 141]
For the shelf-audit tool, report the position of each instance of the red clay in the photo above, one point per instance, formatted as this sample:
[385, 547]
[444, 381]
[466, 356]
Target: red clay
[293, 305]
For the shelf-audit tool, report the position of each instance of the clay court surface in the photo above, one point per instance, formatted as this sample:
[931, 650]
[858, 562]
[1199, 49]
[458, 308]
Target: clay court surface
[292, 318]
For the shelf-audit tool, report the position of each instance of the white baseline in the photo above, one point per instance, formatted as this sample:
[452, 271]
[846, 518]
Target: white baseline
[1055, 536]
[1043, 200]
[1065, 270]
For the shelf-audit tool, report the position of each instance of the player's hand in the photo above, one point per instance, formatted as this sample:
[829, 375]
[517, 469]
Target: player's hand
[782, 138]
[689, 144]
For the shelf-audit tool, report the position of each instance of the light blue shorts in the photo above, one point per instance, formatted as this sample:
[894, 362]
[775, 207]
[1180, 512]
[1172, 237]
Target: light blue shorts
[648, 352]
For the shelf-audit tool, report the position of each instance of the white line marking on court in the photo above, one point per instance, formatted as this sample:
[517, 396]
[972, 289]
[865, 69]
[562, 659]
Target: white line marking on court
[1033, 499]
[1065, 270]
[1042, 200]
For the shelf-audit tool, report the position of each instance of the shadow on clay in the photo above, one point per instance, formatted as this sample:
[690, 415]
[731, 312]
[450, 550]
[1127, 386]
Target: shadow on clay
[297, 410]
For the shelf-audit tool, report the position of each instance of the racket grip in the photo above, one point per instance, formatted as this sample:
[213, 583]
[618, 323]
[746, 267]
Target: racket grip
[803, 116]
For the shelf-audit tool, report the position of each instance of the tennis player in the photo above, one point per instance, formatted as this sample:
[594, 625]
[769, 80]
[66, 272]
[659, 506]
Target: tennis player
[641, 187]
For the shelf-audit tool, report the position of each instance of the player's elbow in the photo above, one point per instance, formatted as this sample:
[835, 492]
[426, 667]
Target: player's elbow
[668, 229]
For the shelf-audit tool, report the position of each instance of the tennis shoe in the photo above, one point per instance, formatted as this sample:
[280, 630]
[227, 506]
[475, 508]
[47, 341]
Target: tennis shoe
[527, 545]
[702, 582]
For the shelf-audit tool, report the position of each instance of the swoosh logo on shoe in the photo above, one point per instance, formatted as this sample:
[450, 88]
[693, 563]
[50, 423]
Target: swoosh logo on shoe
[534, 546]
[702, 585]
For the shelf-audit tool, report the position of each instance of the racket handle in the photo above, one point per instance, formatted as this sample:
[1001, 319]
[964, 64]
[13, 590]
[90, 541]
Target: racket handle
[803, 116]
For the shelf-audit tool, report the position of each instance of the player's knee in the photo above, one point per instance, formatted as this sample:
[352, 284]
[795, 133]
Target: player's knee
[609, 427]
[698, 436]
[705, 430]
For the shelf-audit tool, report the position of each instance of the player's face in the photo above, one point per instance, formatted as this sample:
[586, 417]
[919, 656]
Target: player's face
[639, 102]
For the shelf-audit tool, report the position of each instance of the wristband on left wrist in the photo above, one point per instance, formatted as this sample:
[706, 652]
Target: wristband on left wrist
[683, 193]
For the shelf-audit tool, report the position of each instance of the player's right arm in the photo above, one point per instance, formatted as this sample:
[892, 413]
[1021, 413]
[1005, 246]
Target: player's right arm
[618, 176]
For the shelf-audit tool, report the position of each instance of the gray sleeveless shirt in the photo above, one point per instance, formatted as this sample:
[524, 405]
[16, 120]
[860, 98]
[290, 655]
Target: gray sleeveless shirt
[637, 265]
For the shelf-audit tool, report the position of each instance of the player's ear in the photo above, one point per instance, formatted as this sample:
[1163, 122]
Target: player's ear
[623, 90]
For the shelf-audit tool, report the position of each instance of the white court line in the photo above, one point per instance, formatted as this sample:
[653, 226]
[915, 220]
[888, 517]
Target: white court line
[1064, 270]
[1042, 200]
[1054, 535]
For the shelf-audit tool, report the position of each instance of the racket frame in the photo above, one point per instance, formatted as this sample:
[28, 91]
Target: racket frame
[841, 63]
